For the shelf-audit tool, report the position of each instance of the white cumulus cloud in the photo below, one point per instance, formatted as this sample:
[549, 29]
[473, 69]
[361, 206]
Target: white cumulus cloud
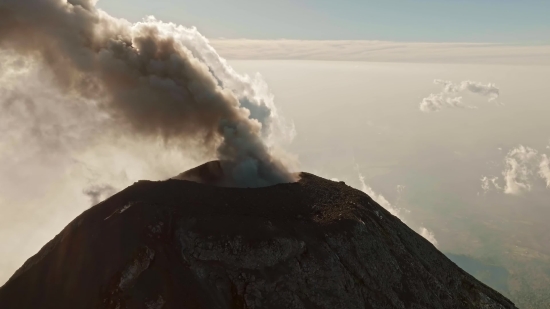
[448, 97]
[523, 167]
[544, 169]
[379, 198]
[488, 184]
[489, 89]
[519, 168]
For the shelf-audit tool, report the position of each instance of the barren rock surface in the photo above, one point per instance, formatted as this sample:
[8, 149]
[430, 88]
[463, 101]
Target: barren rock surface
[180, 244]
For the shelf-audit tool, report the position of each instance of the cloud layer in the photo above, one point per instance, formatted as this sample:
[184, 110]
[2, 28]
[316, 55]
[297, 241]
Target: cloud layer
[381, 51]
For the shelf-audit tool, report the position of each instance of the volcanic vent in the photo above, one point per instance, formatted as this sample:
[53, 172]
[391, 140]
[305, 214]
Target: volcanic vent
[182, 244]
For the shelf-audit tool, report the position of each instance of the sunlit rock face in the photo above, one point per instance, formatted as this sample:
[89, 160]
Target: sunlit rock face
[314, 243]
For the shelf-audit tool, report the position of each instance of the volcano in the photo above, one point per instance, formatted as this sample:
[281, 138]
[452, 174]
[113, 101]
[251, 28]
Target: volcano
[190, 243]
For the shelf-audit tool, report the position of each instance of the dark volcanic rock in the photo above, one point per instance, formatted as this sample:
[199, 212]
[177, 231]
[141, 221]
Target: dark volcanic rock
[180, 244]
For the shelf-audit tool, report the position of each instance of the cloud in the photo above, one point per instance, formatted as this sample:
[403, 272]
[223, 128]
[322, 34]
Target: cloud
[522, 167]
[485, 184]
[489, 89]
[393, 209]
[380, 199]
[429, 235]
[544, 169]
[488, 184]
[382, 51]
[448, 98]
[436, 102]
[519, 168]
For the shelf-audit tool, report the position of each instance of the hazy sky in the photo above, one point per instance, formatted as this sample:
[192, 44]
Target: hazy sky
[505, 21]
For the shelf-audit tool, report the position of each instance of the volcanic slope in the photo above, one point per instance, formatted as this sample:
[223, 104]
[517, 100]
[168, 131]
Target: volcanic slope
[181, 244]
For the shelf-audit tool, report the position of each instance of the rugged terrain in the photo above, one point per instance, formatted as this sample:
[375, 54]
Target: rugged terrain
[181, 244]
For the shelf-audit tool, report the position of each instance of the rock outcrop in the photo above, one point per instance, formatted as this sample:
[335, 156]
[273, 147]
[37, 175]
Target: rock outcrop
[180, 244]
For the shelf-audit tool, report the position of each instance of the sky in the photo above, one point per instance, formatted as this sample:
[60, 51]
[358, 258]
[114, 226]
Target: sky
[494, 21]
[437, 109]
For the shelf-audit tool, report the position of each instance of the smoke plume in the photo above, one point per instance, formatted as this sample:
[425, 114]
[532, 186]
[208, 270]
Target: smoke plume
[153, 79]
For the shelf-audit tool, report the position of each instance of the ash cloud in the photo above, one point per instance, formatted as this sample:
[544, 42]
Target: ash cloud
[448, 96]
[154, 80]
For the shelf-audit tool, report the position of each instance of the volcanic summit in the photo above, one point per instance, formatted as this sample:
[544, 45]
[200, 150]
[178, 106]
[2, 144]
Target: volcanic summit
[191, 243]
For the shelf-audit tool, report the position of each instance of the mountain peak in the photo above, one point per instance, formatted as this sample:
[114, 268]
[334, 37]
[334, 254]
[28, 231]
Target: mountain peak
[182, 244]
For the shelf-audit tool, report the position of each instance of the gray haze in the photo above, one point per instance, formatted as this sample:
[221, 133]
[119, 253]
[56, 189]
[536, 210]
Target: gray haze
[152, 79]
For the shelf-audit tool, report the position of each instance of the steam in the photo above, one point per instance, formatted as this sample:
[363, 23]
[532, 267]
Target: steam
[448, 98]
[153, 80]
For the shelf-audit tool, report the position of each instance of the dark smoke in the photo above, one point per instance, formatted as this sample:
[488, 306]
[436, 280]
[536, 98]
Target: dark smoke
[155, 79]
